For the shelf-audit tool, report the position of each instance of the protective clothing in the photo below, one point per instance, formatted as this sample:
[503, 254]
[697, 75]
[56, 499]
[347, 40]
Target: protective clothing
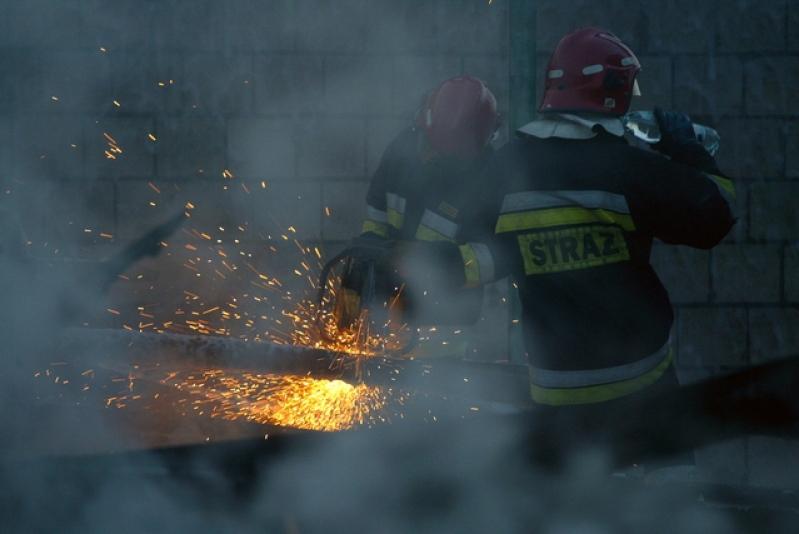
[417, 194]
[590, 70]
[409, 201]
[574, 226]
[573, 223]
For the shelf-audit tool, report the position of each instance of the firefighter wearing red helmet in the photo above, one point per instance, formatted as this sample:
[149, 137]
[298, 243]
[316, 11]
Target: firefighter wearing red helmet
[413, 192]
[417, 193]
[573, 221]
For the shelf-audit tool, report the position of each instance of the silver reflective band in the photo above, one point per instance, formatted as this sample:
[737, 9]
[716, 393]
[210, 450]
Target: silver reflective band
[395, 202]
[592, 69]
[484, 261]
[443, 226]
[374, 214]
[533, 200]
[546, 378]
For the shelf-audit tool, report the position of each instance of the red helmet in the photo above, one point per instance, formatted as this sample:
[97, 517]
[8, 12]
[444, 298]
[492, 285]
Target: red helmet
[459, 116]
[590, 70]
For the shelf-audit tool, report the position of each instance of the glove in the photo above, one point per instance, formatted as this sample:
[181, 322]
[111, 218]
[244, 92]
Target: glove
[676, 131]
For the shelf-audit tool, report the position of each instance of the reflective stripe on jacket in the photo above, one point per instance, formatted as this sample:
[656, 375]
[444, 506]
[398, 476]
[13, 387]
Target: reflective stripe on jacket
[558, 388]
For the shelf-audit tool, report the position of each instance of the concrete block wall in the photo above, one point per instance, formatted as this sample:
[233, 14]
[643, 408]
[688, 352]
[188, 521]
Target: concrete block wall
[732, 66]
[266, 118]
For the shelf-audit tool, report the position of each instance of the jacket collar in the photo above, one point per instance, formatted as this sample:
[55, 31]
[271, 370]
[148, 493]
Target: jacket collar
[572, 126]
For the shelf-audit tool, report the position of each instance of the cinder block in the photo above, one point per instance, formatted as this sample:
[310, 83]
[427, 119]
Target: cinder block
[401, 27]
[750, 148]
[494, 71]
[55, 83]
[708, 85]
[464, 26]
[751, 26]
[255, 26]
[218, 84]
[792, 150]
[53, 24]
[190, 147]
[261, 148]
[4, 26]
[65, 214]
[331, 147]
[284, 212]
[722, 463]
[6, 137]
[630, 23]
[770, 85]
[773, 462]
[379, 133]
[357, 85]
[681, 26]
[189, 27]
[793, 22]
[120, 147]
[346, 203]
[333, 26]
[146, 82]
[711, 336]
[773, 215]
[47, 148]
[684, 272]
[773, 334]
[791, 274]
[287, 83]
[119, 26]
[746, 273]
[415, 76]
[655, 82]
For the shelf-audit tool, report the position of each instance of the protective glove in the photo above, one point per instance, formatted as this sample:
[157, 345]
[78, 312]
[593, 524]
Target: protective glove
[676, 131]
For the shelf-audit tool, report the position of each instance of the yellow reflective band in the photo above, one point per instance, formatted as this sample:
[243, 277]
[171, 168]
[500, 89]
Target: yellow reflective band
[424, 233]
[572, 248]
[534, 220]
[471, 266]
[375, 227]
[725, 184]
[605, 392]
[396, 219]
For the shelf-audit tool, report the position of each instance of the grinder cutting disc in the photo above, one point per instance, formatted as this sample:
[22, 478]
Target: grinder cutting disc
[360, 301]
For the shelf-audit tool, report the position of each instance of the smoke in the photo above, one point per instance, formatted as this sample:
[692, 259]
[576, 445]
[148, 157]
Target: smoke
[280, 95]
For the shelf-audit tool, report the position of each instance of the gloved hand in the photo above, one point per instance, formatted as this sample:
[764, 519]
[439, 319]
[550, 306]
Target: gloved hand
[676, 131]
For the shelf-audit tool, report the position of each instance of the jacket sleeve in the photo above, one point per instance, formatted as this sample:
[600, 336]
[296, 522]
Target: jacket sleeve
[682, 201]
[481, 256]
[376, 222]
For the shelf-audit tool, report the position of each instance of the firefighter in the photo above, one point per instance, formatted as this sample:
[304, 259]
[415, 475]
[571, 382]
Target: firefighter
[417, 192]
[574, 220]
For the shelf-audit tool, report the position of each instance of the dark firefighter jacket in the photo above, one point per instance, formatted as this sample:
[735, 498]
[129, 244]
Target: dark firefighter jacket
[411, 201]
[573, 223]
